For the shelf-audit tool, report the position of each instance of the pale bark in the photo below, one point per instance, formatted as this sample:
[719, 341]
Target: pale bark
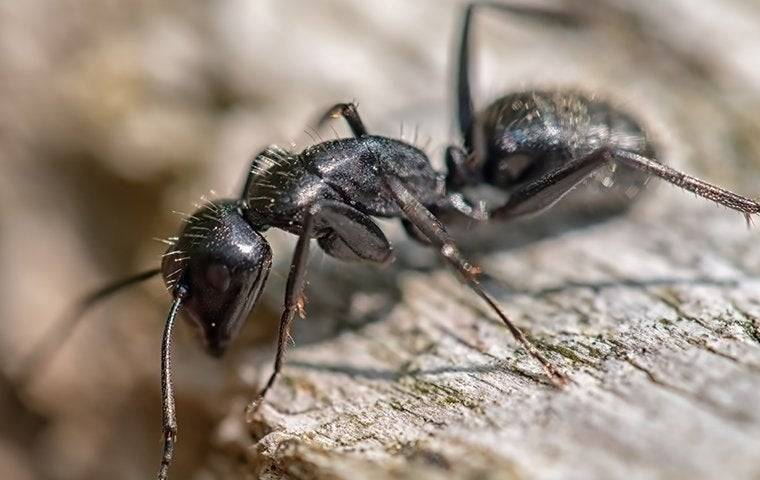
[654, 317]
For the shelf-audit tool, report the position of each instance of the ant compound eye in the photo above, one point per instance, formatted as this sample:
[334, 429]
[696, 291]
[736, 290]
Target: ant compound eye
[218, 276]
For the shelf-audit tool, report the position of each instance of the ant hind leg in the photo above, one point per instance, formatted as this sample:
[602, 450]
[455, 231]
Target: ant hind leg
[715, 194]
[543, 192]
[464, 103]
[537, 195]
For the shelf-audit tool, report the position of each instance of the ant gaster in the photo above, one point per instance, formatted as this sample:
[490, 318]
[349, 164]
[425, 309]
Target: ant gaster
[538, 145]
[535, 146]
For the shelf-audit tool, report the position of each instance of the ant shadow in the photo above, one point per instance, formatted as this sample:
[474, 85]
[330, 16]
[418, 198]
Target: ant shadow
[348, 297]
[394, 375]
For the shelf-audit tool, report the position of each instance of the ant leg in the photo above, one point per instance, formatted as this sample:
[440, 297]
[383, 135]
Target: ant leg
[545, 191]
[705, 190]
[51, 342]
[429, 225]
[542, 193]
[465, 106]
[462, 168]
[168, 408]
[349, 227]
[349, 113]
[293, 299]
[352, 235]
[414, 232]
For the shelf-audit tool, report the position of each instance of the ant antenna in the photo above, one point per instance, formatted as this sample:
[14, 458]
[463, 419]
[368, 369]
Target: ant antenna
[168, 408]
[53, 339]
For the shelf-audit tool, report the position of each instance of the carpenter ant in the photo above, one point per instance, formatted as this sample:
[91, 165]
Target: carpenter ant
[536, 146]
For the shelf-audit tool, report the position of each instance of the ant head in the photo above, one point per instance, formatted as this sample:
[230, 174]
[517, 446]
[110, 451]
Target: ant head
[220, 263]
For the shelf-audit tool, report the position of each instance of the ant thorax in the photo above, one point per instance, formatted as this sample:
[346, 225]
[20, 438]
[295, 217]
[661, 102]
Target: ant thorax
[280, 188]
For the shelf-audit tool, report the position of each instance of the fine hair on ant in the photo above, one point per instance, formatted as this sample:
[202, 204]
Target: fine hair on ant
[535, 146]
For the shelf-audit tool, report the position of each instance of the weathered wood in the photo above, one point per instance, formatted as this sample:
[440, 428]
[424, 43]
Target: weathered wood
[655, 317]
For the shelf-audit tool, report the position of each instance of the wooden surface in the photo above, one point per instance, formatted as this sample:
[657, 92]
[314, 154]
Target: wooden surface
[654, 316]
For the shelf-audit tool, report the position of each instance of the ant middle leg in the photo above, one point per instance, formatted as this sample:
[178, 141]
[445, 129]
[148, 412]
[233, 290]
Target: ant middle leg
[428, 224]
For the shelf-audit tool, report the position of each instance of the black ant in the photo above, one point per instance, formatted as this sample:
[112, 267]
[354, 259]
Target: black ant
[536, 146]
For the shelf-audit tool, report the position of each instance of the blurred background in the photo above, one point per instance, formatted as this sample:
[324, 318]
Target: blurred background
[113, 114]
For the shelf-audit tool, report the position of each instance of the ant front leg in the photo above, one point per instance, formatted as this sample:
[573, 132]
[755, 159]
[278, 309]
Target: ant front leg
[429, 225]
[293, 298]
[351, 235]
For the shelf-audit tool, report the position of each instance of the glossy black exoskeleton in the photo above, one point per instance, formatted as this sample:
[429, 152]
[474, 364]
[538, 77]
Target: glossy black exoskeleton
[220, 263]
[217, 266]
[534, 146]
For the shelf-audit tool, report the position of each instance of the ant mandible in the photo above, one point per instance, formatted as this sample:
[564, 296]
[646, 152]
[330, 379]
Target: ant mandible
[536, 146]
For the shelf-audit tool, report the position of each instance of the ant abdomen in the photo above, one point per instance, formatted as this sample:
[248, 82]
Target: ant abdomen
[522, 138]
[525, 135]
